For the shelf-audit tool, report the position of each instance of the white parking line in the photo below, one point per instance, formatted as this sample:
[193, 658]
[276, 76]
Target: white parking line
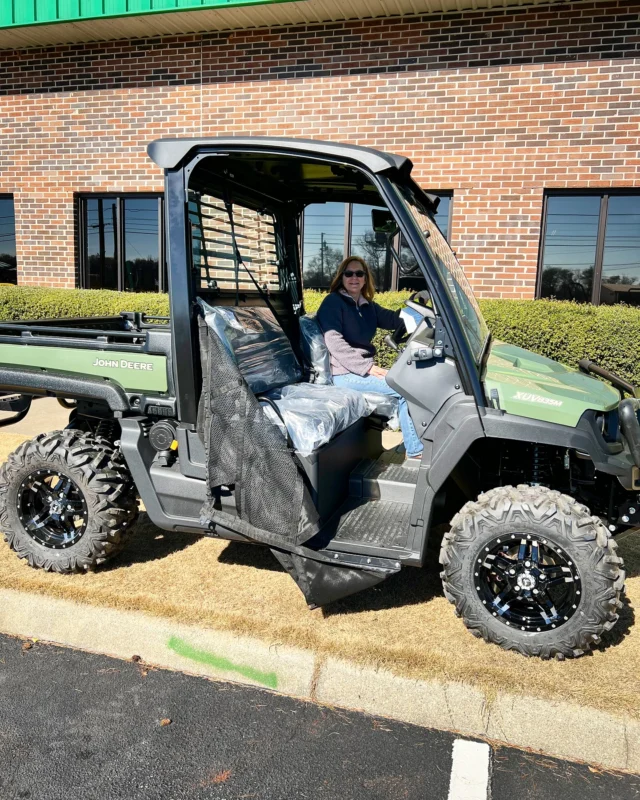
[469, 771]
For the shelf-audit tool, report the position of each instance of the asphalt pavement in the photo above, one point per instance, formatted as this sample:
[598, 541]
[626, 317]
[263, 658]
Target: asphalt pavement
[78, 725]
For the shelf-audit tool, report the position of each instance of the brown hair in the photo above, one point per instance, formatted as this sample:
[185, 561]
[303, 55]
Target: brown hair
[369, 288]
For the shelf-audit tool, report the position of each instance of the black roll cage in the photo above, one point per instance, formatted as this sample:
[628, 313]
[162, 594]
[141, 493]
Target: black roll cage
[378, 168]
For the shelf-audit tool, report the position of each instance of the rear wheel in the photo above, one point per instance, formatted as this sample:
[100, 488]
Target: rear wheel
[67, 501]
[530, 569]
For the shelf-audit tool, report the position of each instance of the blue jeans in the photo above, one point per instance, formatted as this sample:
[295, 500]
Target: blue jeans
[369, 383]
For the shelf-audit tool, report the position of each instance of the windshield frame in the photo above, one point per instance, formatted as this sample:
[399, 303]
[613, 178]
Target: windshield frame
[451, 275]
[389, 186]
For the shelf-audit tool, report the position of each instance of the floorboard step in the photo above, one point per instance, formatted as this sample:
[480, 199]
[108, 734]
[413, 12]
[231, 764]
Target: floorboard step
[390, 478]
[371, 524]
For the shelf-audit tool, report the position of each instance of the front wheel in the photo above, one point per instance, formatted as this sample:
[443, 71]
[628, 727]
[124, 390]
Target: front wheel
[67, 501]
[530, 569]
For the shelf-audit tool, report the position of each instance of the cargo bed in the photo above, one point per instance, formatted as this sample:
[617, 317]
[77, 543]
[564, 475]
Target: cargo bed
[119, 361]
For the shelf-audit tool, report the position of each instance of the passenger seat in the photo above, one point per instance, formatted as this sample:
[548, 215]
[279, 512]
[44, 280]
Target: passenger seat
[311, 414]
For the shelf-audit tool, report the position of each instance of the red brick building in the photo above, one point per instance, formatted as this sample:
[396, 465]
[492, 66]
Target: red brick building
[525, 118]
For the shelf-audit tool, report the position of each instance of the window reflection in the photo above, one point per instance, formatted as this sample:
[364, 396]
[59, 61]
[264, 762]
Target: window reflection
[8, 264]
[569, 250]
[591, 248]
[141, 245]
[621, 256]
[102, 256]
[323, 243]
[122, 246]
[370, 246]
[443, 214]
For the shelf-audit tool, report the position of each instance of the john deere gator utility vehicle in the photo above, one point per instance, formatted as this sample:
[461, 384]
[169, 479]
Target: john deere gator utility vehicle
[222, 418]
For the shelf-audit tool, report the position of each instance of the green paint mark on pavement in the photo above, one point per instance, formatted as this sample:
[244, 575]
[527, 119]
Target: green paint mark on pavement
[184, 649]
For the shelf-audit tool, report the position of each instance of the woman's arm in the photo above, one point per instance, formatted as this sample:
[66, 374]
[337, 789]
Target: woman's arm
[329, 318]
[386, 319]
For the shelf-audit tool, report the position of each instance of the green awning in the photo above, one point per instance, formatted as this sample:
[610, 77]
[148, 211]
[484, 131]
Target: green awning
[14, 13]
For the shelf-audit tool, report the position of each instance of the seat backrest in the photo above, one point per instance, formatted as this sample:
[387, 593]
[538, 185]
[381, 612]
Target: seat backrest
[257, 343]
[315, 350]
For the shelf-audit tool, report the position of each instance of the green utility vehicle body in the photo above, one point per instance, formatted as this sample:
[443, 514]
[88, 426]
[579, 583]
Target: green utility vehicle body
[527, 384]
[131, 372]
[222, 418]
[530, 385]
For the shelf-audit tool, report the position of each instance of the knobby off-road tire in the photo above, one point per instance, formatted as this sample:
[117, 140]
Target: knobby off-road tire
[480, 556]
[100, 489]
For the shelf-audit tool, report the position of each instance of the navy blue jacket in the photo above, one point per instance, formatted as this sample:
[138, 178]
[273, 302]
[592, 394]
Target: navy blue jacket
[348, 330]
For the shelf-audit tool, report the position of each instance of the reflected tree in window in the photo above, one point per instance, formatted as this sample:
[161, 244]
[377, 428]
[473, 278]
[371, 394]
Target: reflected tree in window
[591, 248]
[621, 257]
[569, 250]
[323, 243]
[121, 239]
[328, 238]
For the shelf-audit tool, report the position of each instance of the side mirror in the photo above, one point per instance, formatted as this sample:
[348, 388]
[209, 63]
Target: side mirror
[382, 221]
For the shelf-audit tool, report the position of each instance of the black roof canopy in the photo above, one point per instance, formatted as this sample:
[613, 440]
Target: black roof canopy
[168, 153]
[270, 171]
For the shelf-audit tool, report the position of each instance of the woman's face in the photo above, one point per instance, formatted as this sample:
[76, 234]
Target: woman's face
[350, 280]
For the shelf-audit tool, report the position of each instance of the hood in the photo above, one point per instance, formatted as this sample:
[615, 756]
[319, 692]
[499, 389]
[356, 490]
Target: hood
[533, 386]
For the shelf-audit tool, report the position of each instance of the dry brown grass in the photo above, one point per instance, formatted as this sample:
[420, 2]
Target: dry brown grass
[404, 625]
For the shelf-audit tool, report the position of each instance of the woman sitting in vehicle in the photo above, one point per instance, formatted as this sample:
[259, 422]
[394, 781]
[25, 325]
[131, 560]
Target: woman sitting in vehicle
[349, 319]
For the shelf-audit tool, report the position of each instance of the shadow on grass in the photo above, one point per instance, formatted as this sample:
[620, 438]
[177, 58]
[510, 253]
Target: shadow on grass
[409, 587]
[149, 543]
[621, 629]
[248, 555]
[629, 551]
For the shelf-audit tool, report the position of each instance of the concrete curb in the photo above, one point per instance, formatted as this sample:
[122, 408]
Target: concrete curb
[556, 728]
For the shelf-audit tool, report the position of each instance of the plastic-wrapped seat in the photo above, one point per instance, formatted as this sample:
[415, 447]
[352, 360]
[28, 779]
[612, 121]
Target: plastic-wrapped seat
[316, 353]
[311, 413]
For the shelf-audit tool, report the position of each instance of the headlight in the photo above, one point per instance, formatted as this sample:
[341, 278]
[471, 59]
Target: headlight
[609, 424]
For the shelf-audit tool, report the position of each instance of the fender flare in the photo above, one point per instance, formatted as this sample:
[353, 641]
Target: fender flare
[52, 383]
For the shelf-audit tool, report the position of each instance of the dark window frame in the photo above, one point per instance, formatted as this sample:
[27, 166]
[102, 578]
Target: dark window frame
[120, 197]
[604, 194]
[11, 196]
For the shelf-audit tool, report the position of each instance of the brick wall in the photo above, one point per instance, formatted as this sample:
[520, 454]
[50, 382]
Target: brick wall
[496, 105]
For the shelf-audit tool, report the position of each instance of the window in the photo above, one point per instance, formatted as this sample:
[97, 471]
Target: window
[121, 243]
[8, 263]
[331, 230]
[323, 244]
[590, 248]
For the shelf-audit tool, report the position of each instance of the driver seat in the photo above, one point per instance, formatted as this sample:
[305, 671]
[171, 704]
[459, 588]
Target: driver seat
[317, 356]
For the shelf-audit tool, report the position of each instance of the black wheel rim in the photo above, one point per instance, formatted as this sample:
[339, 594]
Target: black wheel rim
[528, 583]
[52, 509]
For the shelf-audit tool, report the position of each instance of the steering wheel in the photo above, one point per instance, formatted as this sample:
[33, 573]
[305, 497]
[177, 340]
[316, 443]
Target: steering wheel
[398, 337]
[420, 299]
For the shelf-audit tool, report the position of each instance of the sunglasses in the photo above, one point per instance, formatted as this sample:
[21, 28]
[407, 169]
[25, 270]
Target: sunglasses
[349, 273]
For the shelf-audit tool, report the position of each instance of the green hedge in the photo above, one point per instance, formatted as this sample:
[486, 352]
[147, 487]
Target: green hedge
[566, 332]
[26, 302]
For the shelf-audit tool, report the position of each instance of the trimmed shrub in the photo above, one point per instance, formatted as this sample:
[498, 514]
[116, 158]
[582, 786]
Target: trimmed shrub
[566, 332]
[27, 302]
